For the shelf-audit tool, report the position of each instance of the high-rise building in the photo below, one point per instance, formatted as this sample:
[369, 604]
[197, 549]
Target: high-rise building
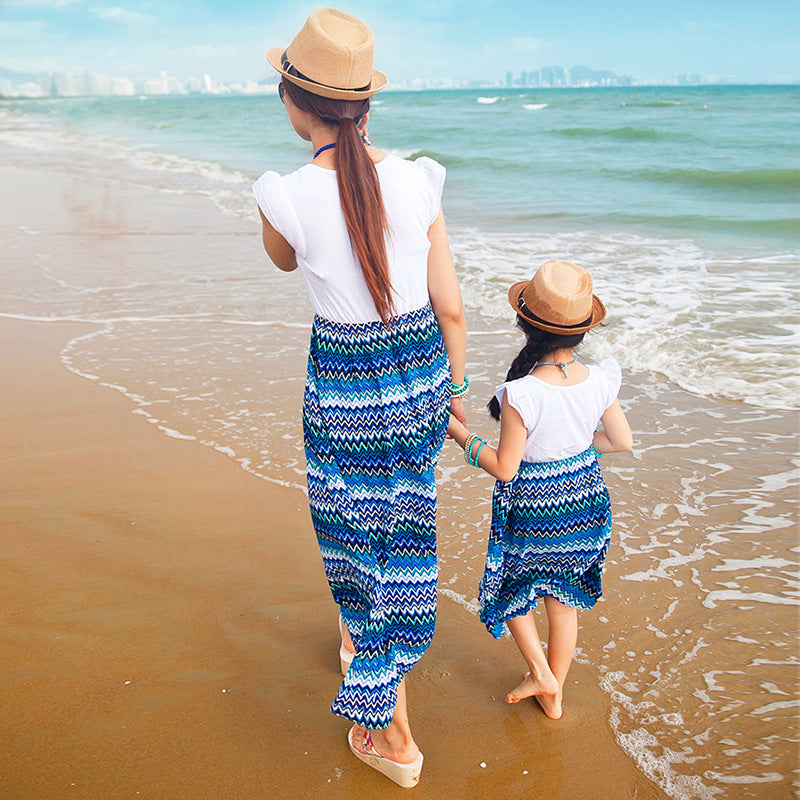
[95, 84]
[63, 85]
[122, 87]
[45, 81]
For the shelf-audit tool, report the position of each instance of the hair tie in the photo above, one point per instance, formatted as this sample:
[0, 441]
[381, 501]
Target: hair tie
[355, 120]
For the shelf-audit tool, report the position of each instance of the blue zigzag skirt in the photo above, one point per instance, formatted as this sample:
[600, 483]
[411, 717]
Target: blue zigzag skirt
[374, 416]
[551, 526]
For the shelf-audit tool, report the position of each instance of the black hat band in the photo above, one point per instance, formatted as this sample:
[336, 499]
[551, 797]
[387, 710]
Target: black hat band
[531, 317]
[295, 73]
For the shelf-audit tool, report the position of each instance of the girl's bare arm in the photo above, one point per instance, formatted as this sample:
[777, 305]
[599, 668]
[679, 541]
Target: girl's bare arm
[615, 436]
[504, 461]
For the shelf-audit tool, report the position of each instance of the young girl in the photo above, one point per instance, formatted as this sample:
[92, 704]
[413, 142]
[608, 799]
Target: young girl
[551, 518]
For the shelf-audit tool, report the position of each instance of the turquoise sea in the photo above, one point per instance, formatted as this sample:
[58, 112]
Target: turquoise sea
[684, 203]
[703, 161]
[701, 183]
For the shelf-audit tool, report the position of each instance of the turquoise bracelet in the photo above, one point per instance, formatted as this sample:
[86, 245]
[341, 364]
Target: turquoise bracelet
[460, 389]
[474, 461]
[468, 445]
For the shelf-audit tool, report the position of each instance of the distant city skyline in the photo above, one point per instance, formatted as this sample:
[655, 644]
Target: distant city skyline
[460, 41]
[94, 84]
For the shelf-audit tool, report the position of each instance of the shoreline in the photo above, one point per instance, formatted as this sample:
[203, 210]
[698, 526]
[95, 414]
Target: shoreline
[238, 592]
[157, 641]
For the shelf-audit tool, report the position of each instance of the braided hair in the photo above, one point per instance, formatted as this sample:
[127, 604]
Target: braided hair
[539, 344]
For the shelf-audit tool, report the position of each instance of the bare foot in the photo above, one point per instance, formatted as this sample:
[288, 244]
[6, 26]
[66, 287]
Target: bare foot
[359, 732]
[551, 704]
[406, 753]
[531, 687]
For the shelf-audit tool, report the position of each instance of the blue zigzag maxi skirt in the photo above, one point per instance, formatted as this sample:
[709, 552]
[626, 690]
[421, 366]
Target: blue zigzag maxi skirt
[551, 526]
[374, 416]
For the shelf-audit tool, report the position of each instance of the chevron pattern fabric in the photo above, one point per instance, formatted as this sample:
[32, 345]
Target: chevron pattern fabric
[374, 415]
[551, 526]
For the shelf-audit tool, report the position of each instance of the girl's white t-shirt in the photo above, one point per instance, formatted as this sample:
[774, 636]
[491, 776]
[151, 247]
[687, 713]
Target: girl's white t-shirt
[561, 420]
[304, 208]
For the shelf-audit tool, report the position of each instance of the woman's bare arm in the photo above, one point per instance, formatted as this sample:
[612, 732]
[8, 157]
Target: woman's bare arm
[278, 249]
[445, 297]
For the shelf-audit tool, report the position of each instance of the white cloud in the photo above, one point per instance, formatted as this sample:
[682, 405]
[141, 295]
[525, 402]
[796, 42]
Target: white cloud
[41, 3]
[123, 16]
[525, 44]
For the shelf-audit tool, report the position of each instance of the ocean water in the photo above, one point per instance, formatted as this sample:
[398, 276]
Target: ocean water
[683, 203]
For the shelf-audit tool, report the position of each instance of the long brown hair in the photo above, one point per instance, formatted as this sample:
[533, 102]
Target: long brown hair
[359, 190]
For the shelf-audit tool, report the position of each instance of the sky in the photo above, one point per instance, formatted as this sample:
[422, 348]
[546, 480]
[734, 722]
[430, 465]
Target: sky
[459, 39]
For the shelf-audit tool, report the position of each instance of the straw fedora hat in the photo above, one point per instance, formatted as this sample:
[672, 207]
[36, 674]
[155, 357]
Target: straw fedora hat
[558, 299]
[331, 57]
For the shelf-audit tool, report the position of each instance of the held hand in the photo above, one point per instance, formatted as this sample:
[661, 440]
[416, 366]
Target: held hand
[457, 414]
[456, 427]
[451, 427]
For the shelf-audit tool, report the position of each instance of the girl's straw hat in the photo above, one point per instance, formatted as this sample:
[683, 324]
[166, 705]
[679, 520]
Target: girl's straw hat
[558, 299]
[331, 57]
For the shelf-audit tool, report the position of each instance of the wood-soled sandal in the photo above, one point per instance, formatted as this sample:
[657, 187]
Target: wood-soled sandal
[405, 775]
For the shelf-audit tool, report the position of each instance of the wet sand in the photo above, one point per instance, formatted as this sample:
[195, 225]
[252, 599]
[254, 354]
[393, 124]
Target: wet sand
[167, 630]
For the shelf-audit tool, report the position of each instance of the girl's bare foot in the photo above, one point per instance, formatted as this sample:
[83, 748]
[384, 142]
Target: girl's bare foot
[551, 704]
[533, 687]
[383, 744]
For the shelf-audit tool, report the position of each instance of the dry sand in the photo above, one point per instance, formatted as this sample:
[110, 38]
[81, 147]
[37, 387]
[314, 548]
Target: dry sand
[167, 631]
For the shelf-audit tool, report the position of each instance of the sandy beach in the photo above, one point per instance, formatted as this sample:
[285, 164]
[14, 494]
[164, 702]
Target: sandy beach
[167, 631]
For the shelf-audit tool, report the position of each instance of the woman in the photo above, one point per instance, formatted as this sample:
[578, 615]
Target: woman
[385, 369]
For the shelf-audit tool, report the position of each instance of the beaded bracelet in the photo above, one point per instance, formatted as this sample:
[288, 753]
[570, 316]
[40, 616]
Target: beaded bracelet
[470, 440]
[460, 389]
[468, 445]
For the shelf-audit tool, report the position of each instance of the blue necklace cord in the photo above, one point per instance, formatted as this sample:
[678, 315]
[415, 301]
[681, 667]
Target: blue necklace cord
[562, 367]
[324, 148]
[333, 144]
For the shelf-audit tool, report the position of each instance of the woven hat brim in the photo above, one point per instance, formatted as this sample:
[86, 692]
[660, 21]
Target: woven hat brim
[379, 81]
[598, 313]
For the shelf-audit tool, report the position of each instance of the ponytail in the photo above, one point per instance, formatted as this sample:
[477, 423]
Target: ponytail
[539, 344]
[359, 191]
[364, 213]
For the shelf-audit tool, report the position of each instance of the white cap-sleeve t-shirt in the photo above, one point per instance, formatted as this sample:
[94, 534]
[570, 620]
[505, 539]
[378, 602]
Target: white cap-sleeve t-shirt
[304, 208]
[561, 420]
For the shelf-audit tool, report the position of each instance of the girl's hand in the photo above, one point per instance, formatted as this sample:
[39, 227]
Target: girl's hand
[456, 429]
[457, 414]
[450, 427]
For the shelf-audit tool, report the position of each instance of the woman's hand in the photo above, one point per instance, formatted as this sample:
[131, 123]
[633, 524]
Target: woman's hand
[456, 429]
[457, 411]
